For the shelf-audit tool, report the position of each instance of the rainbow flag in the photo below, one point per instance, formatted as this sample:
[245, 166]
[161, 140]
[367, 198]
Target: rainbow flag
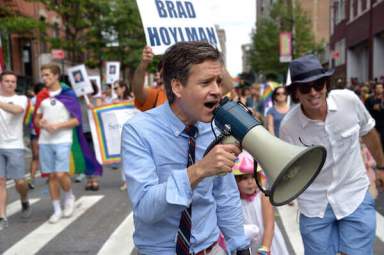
[269, 87]
[266, 97]
[28, 114]
[77, 162]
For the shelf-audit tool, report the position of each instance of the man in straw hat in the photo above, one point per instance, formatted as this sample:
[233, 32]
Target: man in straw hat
[337, 213]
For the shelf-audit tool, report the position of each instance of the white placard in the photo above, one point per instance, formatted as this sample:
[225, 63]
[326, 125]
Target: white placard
[171, 21]
[80, 81]
[97, 80]
[106, 124]
[113, 72]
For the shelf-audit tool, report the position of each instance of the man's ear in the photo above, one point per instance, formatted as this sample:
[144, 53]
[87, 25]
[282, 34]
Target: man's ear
[177, 88]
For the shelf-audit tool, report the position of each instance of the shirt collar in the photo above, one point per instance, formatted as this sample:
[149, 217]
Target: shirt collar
[176, 125]
[55, 93]
[331, 107]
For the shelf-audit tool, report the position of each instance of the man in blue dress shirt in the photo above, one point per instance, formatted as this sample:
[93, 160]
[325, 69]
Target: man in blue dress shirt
[155, 149]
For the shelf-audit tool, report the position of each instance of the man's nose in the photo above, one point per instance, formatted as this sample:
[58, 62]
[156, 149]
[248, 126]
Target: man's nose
[216, 88]
[312, 91]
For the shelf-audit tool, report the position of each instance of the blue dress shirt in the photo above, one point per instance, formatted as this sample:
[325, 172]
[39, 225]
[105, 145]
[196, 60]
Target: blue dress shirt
[154, 151]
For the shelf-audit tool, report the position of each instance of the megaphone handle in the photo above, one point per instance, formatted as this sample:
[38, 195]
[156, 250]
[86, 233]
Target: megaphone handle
[266, 192]
[217, 140]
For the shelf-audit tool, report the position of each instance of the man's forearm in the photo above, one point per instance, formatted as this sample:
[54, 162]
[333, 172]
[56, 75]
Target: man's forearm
[227, 82]
[138, 82]
[372, 141]
[11, 108]
[68, 124]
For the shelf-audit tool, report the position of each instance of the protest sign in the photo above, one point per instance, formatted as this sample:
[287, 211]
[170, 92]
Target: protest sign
[96, 79]
[106, 126]
[80, 81]
[113, 72]
[170, 21]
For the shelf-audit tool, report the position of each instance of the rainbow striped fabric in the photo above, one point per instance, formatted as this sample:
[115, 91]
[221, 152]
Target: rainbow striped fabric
[28, 114]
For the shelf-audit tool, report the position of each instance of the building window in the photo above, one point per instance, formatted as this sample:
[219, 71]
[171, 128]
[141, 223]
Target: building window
[340, 52]
[43, 38]
[363, 5]
[55, 30]
[339, 11]
[355, 6]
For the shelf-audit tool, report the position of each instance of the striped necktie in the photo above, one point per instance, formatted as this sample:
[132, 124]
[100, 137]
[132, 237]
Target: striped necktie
[185, 225]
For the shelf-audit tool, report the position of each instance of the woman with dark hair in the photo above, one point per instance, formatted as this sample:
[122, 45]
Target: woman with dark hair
[122, 91]
[276, 113]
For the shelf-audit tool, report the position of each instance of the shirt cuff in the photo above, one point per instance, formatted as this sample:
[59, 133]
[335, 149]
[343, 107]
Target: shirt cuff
[179, 191]
[368, 127]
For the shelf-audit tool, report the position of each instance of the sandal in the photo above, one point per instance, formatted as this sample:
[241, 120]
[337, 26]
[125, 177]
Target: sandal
[95, 186]
[89, 186]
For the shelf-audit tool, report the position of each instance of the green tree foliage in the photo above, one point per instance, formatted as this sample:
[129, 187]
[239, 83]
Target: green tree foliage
[76, 20]
[12, 22]
[125, 28]
[99, 30]
[264, 57]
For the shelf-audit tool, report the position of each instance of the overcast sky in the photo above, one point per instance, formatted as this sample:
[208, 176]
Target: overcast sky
[237, 18]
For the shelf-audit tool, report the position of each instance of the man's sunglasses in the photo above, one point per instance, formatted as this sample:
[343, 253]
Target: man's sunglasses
[316, 85]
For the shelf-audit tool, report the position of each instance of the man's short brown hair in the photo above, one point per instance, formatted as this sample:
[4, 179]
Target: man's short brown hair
[7, 72]
[55, 69]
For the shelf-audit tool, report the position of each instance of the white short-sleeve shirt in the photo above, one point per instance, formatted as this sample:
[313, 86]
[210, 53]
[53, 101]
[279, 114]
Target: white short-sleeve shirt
[11, 125]
[343, 181]
[54, 111]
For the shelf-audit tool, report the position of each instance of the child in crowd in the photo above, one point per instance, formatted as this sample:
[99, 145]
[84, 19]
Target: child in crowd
[260, 227]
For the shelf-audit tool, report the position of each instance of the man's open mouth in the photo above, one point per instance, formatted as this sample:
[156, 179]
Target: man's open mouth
[211, 104]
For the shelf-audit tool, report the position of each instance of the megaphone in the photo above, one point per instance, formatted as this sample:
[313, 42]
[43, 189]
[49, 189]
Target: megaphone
[290, 169]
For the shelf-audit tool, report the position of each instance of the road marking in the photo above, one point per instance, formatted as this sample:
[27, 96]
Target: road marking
[380, 226]
[38, 238]
[289, 218]
[15, 207]
[121, 241]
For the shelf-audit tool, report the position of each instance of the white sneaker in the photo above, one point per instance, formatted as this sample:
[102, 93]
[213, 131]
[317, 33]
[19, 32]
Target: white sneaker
[69, 207]
[55, 217]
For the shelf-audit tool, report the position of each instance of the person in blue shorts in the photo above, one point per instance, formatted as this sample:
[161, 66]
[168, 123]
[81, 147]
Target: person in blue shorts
[12, 148]
[337, 213]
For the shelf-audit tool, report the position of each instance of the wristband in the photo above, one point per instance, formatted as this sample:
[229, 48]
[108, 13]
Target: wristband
[263, 251]
[380, 168]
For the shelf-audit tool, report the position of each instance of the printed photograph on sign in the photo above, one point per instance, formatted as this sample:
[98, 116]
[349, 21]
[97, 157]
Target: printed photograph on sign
[112, 69]
[79, 80]
[97, 81]
[167, 22]
[112, 72]
[78, 76]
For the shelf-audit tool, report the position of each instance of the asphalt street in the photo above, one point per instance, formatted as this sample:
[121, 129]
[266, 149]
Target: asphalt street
[103, 223]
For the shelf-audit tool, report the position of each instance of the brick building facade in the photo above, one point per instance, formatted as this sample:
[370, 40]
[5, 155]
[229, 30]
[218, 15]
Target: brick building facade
[28, 50]
[357, 40]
